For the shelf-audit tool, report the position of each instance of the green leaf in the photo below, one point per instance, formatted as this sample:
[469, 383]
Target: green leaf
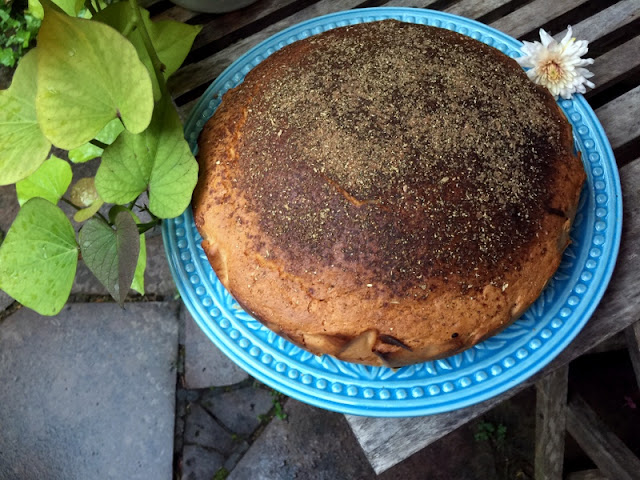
[38, 258]
[70, 7]
[88, 74]
[86, 213]
[23, 147]
[159, 159]
[172, 40]
[35, 9]
[50, 181]
[88, 151]
[112, 255]
[138, 276]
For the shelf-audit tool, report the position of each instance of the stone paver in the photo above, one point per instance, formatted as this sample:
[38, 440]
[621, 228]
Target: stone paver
[203, 430]
[199, 463]
[310, 444]
[5, 300]
[8, 206]
[239, 409]
[204, 364]
[89, 393]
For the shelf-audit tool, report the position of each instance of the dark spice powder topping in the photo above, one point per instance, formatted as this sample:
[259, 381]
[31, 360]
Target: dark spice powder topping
[410, 150]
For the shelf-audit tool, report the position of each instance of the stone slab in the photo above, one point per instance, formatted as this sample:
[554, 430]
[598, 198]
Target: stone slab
[239, 409]
[311, 444]
[201, 429]
[199, 463]
[5, 300]
[204, 364]
[89, 393]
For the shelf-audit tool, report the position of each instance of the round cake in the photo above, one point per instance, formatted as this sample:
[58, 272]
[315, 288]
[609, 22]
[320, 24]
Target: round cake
[386, 193]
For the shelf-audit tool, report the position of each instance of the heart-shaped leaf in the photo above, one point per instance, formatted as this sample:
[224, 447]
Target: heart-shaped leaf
[89, 151]
[172, 40]
[38, 257]
[111, 254]
[158, 159]
[50, 181]
[23, 147]
[70, 7]
[88, 74]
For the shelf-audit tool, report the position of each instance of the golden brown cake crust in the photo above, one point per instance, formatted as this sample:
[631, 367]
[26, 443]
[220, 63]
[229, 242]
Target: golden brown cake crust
[386, 193]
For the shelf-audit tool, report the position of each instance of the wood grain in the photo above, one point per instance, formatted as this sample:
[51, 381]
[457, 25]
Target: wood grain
[616, 63]
[632, 334]
[532, 15]
[620, 118]
[612, 457]
[551, 406]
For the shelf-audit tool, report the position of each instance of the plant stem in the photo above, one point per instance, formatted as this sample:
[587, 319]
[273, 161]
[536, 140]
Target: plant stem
[66, 200]
[128, 27]
[91, 8]
[143, 227]
[158, 66]
[98, 143]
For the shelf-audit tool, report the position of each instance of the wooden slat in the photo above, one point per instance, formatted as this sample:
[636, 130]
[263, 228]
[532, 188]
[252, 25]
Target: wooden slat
[551, 406]
[206, 70]
[594, 474]
[608, 452]
[223, 25]
[475, 9]
[387, 442]
[532, 15]
[606, 21]
[633, 345]
[177, 13]
[620, 118]
[615, 343]
[616, 62]
[409, 3]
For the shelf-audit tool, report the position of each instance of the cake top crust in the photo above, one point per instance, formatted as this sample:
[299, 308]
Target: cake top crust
[412, 151]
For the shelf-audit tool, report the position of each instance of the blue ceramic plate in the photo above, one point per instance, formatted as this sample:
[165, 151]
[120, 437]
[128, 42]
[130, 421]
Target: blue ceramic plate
[477, 374]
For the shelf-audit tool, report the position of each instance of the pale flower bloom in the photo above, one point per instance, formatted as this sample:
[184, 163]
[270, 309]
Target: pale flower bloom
[558, 66]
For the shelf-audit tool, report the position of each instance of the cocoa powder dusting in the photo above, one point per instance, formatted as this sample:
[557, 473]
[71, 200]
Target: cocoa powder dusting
[408, 149]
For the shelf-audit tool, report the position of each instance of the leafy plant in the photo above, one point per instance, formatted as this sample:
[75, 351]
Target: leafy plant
[278, 409]
[97, 88]
[17, 31]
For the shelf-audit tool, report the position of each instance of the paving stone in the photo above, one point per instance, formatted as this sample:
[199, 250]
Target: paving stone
[204, 364]
[198, 463]
[201, 429]
[311, 444]
[157, 276]
[8, 206]
[5, 300]
[239, 409]
[88, 393]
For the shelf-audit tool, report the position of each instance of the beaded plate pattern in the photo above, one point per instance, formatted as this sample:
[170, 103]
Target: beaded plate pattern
[477, 374]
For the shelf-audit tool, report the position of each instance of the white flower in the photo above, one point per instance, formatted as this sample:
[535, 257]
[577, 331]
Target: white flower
[558, 66]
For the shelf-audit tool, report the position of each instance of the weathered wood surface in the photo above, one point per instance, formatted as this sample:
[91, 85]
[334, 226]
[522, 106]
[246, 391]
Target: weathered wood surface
[612, 457]
[632, 334]
[612, 26]
[551, 421]
[594, 474]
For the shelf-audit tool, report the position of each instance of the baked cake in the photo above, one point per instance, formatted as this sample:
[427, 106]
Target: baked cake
[386, 193]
